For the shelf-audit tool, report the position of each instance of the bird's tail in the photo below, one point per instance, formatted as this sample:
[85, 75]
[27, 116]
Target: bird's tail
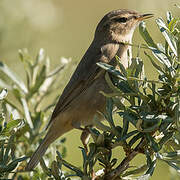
[38, 154]
[53, 133]
[50, 137]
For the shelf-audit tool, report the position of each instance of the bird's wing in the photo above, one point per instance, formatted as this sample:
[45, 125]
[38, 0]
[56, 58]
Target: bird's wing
[84, 75]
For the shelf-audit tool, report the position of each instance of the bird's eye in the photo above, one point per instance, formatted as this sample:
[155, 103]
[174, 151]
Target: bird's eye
[121, 20]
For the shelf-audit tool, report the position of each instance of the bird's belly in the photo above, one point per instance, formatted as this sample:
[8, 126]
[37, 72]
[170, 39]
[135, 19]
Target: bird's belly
[86, 106]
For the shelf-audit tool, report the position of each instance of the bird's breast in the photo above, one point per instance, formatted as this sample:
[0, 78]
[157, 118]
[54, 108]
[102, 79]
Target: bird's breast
[109, 51]
[124, 52]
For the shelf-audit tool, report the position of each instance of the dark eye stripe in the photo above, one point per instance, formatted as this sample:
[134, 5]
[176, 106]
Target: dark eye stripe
[122, 19]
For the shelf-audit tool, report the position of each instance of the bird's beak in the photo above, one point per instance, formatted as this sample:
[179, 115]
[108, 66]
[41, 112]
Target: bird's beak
[144, 16]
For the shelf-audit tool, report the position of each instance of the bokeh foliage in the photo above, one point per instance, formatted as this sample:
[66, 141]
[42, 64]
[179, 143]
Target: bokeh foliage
[23, 114]
[152, 107]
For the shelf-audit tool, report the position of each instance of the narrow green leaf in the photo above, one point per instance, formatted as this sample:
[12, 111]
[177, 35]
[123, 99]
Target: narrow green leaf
[174, 165]
[135, 138]
[148, 157]
[178, 50]
[125, 127]
[161, 57]
[151, 163]
[27, 113]
[124, 87]
[92, 150]
[84, 157]
[151, 167]
[167, 35]
[3, 94]
[166, 137]
[139, 68]
[38, 82]
[11, 167]
[169, 17]
[20, 52]
[171, 154]
[14, 163]
[173, 24]
[28, 80]
[44, 167]
[70, 166]
[11, 125]
[128, 135]
[2, 151]
[155, 146]
[25, 57]
[177, 112]
[109, 109]
[56, 71]
[122, 68]
[145, 35]
[5, 69]
[40, 57]
[132, 68]
[47, 63]
[137, 170]
[37, 121]
[6, 155]
[164, 126]
[112, 70]
[131, 117]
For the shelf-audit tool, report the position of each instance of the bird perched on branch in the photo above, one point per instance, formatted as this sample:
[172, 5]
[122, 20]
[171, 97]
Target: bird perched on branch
[81, 98]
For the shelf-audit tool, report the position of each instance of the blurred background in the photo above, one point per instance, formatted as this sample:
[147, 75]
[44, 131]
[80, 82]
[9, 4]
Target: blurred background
[65, 29]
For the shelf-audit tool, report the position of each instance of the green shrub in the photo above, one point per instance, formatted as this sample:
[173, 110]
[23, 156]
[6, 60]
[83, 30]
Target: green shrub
[151, 107]
[23, 114]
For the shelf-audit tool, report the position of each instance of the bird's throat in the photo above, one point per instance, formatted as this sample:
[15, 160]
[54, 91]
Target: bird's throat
[124, 51]
[125, 54]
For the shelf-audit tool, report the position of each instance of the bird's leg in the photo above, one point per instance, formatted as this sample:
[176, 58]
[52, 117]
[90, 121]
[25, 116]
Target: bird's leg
[85, 136]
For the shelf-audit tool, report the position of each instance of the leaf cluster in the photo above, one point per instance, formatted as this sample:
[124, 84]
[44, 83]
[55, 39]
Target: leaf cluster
[152, 107]
[23, 111]
[148, 109]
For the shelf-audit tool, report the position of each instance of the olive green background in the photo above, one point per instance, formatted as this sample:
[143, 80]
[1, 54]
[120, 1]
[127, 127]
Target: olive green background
[65, 28]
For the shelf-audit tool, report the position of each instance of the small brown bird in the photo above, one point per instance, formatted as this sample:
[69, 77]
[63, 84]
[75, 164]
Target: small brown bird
[81, 99]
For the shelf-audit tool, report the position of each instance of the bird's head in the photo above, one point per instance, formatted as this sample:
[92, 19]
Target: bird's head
[119, 25]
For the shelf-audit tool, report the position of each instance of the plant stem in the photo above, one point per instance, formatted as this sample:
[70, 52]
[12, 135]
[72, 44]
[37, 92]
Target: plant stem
[125, 163]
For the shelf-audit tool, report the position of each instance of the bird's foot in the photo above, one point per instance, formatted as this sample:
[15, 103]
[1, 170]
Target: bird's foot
[85, 136]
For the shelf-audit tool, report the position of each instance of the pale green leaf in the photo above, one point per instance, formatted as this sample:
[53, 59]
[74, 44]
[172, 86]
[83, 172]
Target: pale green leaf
[167, 35]
[145, 34]
[3, 94]
[5, 69]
